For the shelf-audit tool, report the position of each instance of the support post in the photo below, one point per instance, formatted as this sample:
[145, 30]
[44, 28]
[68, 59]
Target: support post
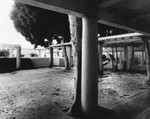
[89, 89]
[147, 53]
[113, 51]
[100, 52]
[18, 58]
[107, 54]
[130, 57]
[39, 52]
[10, 52]
[69, 56]
[121, 58]
[125, 58]
[51, 57]
[142, 59]
[113, 56]
[116, 64]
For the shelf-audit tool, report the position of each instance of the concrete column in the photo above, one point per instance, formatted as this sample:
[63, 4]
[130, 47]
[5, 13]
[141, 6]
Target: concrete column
[107, 54]
[125, 58]
[10, 52]
[121, 57]
[100, 52]
[142, 59]
[89, 89]
[129, 57]
[18, 58]
[51, 61]
[125, 53]
[39, 52]
[116, 54]
[69, 56]
[113, 56]
[113, 52]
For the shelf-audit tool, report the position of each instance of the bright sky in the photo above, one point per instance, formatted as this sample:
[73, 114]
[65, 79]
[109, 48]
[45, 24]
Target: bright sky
[8, 34]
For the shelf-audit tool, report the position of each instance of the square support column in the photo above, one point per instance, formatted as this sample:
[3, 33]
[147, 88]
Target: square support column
[18, 58]
[10, 52]
[121, 57]
[40, 52]
[89, 89]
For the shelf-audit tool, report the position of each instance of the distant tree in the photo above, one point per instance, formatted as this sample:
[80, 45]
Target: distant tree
[38, 25]
[4, 53]
[105, 30]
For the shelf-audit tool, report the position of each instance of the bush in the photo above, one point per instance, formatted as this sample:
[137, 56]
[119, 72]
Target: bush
[4, 53]
[137, 60]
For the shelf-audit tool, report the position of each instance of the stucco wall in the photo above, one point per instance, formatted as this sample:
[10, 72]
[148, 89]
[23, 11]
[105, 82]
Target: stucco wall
[9, 64]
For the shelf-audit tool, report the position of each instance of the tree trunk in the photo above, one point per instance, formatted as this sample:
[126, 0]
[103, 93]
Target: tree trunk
[147, 52]
[66, 58]
[76, 33]
[51, 57]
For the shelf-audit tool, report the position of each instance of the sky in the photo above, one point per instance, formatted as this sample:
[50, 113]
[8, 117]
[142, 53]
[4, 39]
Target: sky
[8, 34]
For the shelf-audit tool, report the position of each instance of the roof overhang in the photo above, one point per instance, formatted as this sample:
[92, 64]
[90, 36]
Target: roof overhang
[106, 12]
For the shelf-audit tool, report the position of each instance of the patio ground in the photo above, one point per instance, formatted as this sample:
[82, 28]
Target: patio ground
[44, 94]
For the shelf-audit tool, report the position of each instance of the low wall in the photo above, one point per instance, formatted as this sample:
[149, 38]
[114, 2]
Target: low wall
[9, 64]
[59, 62]
[44, 62]
[34, 62]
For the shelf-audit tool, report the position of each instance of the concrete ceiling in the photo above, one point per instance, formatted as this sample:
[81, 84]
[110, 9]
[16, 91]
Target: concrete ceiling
[132, 15]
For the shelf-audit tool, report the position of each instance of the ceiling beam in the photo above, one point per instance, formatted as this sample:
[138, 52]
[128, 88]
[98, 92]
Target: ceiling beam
[119, 36]
[121, 49]
[130, 40]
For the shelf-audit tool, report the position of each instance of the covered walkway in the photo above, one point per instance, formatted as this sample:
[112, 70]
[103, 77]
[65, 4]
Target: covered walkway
[131, 15]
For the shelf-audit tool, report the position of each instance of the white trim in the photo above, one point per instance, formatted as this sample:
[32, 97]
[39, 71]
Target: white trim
[119, 36]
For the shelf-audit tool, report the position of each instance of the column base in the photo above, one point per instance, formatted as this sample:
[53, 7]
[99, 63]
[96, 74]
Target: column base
[100, 112]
